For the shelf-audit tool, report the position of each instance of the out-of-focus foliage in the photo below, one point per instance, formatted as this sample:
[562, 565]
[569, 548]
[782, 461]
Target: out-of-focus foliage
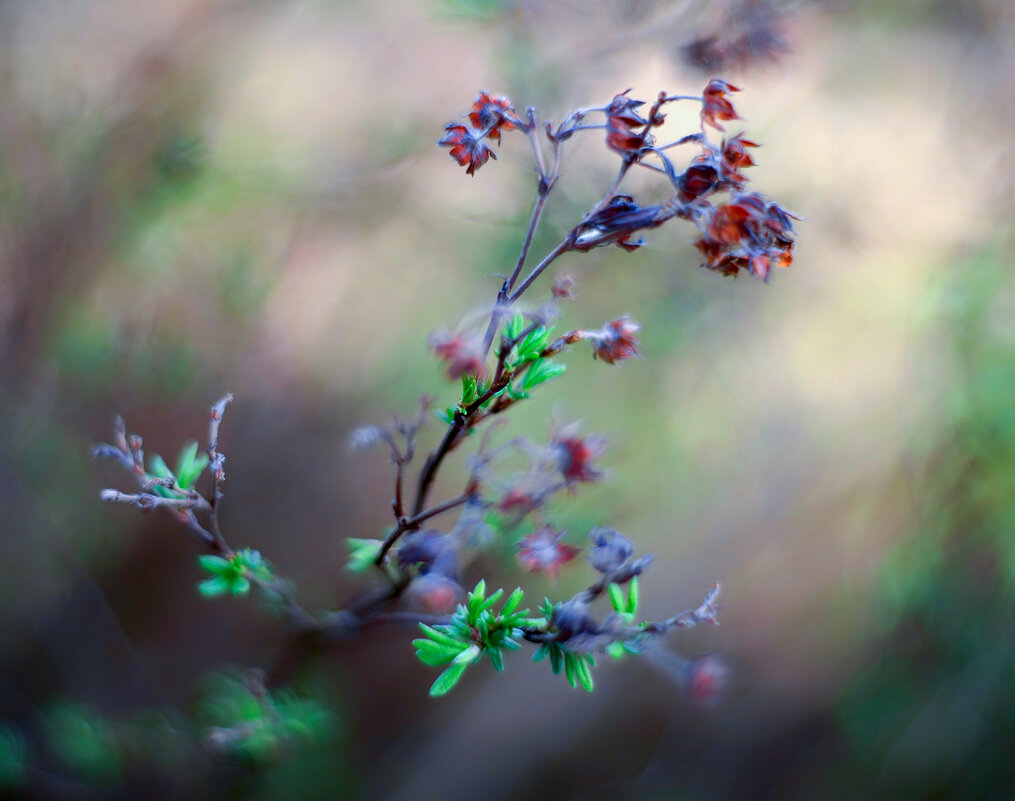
[238, 716]
[931, 714]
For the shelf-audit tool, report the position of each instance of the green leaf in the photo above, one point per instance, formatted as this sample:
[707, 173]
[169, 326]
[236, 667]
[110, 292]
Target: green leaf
[533, 345]
[512, 602]
[252, 563]
[468, 389]
[157, 467]
[362, 554]
[441, 637]
[441, 655]
[615, 649]
[569, 668]
[446, 652]
[617, 597]
[476, 598]
[583, 674]
[469, 655]
[517, 394]
[239, 586]
[496, 658]
[513, 329]
[214, 587]
[540, 372]
[491, 600]
[190, 466]
[632, 596]
[447, 680]
[556, 658]
[215, 564]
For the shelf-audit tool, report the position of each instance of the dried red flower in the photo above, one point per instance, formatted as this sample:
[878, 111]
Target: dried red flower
[563, 288]
[519, 500]
[715, 105]
[464, 354]
[575, 455]
[621, 121]
[705, 678]
[467, 147]
[616, 340]
[493, 115]
[734, 153]
[747, 234]
[543, 552]
[730, 223]
[434, 594]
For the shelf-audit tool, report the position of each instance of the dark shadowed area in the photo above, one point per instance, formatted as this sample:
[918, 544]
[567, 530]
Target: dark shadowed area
[202, 196]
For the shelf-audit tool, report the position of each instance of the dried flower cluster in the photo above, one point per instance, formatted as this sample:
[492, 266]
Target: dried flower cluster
[500, 362]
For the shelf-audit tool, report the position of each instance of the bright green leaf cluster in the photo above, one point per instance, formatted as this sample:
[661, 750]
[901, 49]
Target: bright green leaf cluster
[530, 347]
[189, 467]
[541, 371]
[233, 575]
[515, 326]
[528, 353]
[474, 629]
[577, 667]
[362, 554]
[470, 389]
[625, 609]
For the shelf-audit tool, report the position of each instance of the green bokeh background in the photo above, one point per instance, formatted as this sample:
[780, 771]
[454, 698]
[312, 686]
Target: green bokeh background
[199, 197]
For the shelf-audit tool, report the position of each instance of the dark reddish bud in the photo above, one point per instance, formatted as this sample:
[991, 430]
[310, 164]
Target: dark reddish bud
[615, 223]
[705, 679]
[463, 354]
[716, 106]
[615, 341]
[493, 115]
[543, 552]
[467, 147]
[695, 181]
[435, 594]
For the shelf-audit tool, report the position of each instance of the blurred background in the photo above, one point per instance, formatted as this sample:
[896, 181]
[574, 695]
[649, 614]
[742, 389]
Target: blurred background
[199, 197]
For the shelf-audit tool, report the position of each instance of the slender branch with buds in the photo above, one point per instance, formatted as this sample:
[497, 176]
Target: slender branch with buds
[419, 566]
